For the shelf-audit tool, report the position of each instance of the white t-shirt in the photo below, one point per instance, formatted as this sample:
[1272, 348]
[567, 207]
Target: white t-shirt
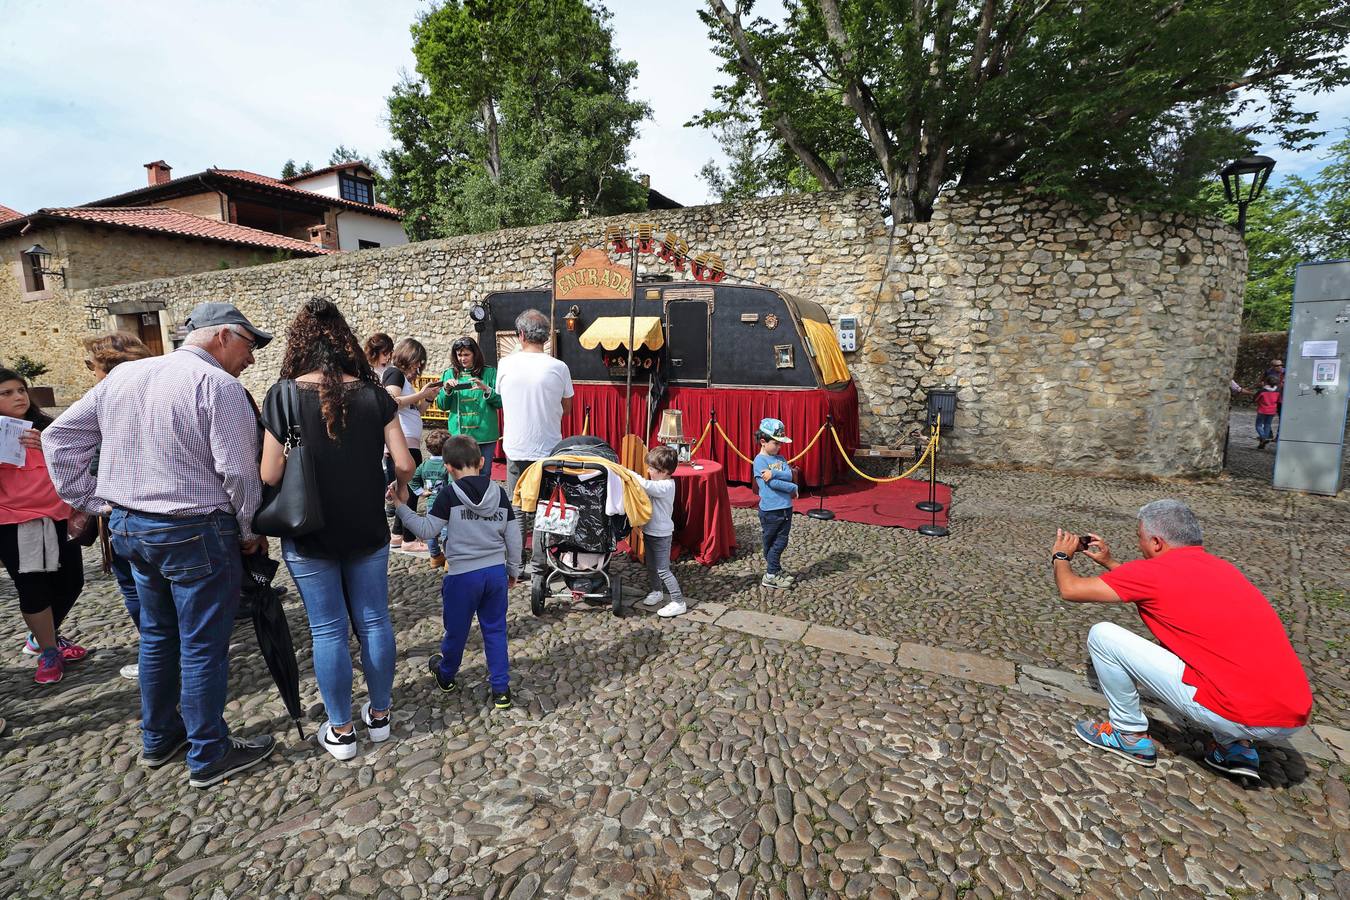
[409, 419]
[532, 386]
[662, 494]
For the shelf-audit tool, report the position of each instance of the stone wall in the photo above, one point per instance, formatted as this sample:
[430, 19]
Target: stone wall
[1098, 343]
[49, 325]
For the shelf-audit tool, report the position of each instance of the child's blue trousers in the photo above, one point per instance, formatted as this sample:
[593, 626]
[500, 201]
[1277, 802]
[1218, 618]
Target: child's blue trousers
[481, 592]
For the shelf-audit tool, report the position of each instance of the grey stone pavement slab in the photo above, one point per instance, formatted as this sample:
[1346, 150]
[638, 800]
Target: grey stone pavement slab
[682, 758]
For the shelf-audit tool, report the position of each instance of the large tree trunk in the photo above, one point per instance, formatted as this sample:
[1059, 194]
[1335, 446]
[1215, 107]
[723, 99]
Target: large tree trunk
[493, 163]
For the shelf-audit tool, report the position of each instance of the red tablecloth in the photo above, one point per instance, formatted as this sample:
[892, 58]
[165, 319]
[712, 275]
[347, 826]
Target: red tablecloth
[703, 512]
[738, 411]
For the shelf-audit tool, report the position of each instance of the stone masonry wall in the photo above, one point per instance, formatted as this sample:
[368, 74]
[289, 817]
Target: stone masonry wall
[1095, 343]
[49, 325]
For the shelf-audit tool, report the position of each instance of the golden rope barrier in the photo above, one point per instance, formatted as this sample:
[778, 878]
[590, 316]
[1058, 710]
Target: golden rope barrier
[807, 448]
[701, 438]
[924, 457]
[734, 448]
[586, 424]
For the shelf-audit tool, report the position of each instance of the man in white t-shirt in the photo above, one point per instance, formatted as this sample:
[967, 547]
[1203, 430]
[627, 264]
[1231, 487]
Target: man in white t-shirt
[536, 392]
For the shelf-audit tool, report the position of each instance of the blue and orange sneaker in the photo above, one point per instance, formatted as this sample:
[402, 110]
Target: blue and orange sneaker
[50, 667]
[1137, 747]
[1233, 759]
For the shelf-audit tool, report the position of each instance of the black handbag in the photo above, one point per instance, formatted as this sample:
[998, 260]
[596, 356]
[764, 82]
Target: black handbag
[291, 508]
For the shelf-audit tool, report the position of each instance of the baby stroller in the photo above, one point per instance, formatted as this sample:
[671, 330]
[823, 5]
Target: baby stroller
[579, 561]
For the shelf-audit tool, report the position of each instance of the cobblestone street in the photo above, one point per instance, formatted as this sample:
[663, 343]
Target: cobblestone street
[897, 725]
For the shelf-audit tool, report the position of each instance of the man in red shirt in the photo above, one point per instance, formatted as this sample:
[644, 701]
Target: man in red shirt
[1225, 662]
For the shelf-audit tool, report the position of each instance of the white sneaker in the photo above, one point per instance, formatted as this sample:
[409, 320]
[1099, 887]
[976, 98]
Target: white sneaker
[378, 728]
[653, 599]
[673, 608]
[341, 746]
[131, 672]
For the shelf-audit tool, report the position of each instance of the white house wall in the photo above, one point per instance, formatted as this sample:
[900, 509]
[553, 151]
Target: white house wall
[355, 226]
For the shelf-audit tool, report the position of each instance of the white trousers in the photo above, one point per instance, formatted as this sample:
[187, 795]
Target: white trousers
[1125, 661]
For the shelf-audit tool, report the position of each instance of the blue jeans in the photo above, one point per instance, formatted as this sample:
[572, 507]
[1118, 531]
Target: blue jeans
[126, 583]
[774, 525]
[481, 592]
[187, 573]
[329, 588]
[1263, 421]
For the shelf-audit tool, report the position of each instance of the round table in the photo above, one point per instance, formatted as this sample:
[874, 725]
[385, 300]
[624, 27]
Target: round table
[703, 512]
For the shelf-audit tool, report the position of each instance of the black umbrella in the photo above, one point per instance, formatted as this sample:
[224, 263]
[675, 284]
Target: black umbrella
[274, 633]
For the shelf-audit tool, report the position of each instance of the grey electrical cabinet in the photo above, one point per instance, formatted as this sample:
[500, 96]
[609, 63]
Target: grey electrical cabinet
[1309, 453]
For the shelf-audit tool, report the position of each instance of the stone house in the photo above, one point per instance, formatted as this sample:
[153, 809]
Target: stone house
[217, 219]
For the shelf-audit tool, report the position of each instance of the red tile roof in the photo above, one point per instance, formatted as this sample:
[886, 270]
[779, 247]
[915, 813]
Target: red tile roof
[8, 215]
[163, 220]
[267, 181]
[178, 187]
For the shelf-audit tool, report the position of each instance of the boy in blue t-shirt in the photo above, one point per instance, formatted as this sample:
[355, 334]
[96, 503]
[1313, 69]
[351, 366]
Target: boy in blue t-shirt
[773, 481]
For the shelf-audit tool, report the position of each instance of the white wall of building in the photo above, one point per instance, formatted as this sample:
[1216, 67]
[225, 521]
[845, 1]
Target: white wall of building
[355, 226]
[321, 184]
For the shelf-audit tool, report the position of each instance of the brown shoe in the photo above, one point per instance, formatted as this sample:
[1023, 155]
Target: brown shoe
[438, 561]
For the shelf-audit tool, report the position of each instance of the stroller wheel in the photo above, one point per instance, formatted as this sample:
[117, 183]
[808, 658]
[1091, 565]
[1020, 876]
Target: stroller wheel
[538, 587]
[616, 595]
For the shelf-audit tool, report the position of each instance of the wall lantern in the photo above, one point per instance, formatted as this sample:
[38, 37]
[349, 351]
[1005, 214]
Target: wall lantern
[40, 258]
[1237, 189]
[571, 318]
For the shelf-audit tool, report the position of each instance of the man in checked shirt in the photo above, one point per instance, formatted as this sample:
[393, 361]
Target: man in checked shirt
[179, 469]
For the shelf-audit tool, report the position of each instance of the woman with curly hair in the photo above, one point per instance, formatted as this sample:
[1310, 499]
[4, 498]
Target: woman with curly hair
[346, 422]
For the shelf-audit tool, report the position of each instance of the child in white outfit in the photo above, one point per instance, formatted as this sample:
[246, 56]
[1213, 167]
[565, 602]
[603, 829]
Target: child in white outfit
[660, 530]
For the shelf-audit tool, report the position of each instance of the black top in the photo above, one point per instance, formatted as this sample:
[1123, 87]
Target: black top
[349, 471]
[393, 377]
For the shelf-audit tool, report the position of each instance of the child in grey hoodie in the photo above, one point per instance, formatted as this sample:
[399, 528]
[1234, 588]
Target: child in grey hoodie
[482, 556]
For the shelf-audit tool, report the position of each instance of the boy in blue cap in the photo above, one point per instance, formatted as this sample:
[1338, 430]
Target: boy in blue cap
[773, 481]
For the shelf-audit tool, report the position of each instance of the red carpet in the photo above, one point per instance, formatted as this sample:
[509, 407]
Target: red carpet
[890, 505]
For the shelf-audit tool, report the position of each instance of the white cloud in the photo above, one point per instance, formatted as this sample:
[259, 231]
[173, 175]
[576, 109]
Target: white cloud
[90, 90]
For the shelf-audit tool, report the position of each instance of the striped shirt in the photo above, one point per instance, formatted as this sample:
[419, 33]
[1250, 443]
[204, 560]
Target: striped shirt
[177, 436]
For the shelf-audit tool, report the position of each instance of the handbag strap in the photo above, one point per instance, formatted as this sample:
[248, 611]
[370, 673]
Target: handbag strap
[290, 406]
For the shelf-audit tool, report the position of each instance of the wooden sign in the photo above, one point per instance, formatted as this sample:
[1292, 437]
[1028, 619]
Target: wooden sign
[592, 276]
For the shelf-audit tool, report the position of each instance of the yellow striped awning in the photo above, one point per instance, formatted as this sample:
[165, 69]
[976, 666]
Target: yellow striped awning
[611, 332]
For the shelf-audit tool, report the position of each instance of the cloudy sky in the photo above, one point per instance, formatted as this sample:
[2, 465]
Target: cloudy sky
[90, 90]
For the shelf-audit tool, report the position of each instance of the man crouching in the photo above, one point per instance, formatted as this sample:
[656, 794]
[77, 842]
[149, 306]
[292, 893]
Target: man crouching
[1225, 662]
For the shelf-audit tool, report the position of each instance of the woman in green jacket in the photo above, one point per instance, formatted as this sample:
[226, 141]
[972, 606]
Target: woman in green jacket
[470, 397]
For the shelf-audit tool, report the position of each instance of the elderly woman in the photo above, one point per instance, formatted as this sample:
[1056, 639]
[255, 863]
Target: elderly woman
[103, 353]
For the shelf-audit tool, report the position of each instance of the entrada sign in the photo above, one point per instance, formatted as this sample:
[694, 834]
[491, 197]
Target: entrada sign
[592, 276]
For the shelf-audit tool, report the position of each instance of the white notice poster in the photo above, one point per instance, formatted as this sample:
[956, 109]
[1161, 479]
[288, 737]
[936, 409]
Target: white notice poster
[1326, 372]
[1319, 348]
[11, 451]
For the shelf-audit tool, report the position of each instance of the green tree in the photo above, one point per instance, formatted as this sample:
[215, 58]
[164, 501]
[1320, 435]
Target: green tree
[344, 154]
[519, 115]
[1128, 97]
[289, 170]
[1302, 219]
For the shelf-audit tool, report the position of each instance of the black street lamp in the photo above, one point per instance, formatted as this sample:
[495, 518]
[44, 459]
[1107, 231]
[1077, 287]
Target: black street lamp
[40, 258]
[1240, 191]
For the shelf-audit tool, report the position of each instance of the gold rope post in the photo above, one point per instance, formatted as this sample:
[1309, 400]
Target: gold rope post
[931, 506]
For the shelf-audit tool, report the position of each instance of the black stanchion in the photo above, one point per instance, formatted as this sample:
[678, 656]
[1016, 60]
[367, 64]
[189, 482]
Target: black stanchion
[820, 512]
[941, 414]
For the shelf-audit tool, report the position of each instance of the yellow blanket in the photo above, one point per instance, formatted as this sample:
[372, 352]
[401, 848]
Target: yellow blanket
[636, 504]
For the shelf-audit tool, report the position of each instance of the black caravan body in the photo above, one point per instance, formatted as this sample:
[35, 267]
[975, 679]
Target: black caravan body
[711, 335]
